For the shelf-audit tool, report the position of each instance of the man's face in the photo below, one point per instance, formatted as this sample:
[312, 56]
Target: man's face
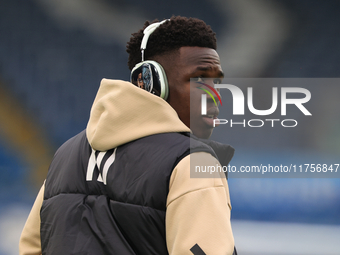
[185, 97]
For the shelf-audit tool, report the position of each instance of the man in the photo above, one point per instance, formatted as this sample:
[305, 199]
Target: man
[123, 186]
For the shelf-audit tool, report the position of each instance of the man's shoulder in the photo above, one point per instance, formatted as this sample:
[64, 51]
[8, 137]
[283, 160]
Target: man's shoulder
[178, 139]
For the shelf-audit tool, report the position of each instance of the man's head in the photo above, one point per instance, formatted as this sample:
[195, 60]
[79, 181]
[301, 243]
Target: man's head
[186, 48]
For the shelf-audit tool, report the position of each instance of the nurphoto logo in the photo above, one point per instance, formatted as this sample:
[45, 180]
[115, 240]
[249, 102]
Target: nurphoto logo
[239, 104]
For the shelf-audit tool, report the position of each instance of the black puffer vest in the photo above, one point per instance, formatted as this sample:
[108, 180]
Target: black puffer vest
[111, 202]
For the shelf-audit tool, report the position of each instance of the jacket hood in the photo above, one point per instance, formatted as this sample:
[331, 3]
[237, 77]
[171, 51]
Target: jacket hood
[122, 112]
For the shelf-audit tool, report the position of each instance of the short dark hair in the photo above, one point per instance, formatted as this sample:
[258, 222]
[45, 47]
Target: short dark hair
[171, 35]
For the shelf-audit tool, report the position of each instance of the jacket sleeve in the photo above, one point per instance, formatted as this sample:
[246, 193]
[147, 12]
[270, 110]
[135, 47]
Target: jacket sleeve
[29, 243]
[198, 210]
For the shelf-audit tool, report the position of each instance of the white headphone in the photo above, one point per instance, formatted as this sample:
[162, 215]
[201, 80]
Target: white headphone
[149, 74]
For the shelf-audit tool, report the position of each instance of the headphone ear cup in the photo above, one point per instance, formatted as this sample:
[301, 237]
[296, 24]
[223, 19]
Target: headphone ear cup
[150, 76]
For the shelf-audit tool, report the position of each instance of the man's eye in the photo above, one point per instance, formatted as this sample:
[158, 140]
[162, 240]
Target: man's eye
[198, 79]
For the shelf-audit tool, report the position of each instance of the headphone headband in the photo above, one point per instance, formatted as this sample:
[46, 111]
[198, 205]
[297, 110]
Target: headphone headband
[147, 32]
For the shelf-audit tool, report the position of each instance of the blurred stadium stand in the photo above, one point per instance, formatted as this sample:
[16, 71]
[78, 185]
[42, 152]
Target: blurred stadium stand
[52, 61]
[313, 49]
